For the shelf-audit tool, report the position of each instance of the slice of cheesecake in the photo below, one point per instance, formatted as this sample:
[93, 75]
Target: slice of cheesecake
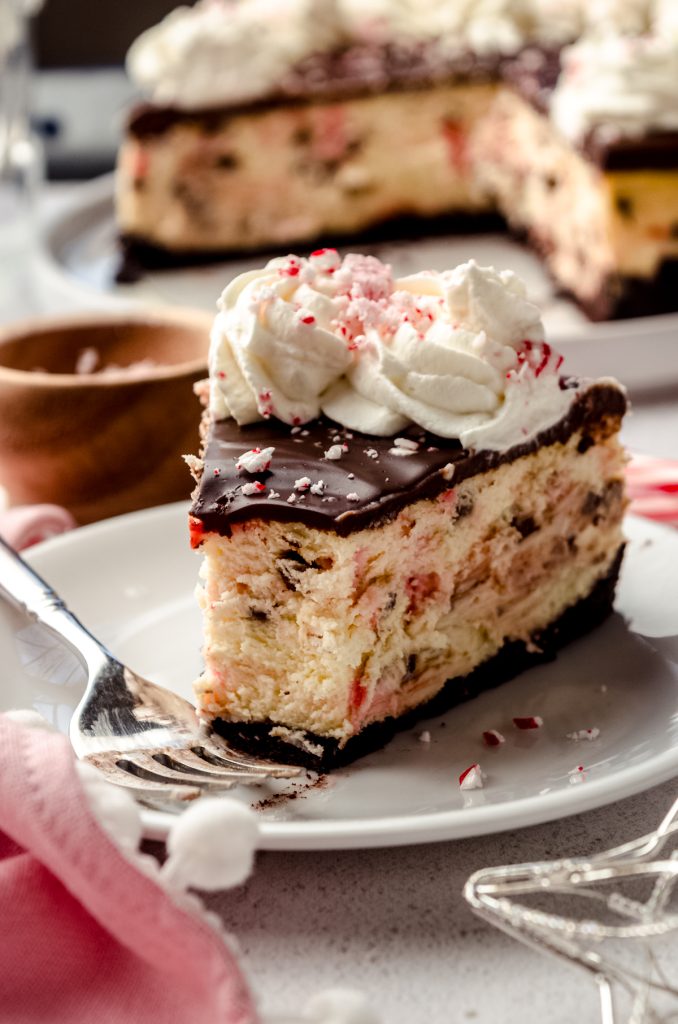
[411, 506]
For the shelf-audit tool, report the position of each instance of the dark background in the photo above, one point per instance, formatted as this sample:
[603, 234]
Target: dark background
[87, 33]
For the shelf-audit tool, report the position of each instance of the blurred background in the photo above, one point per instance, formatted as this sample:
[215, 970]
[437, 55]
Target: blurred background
[81, 88]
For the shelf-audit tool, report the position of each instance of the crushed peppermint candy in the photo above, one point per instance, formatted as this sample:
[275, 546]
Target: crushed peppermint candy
[471, 778]
[326, 260]
[425, 736]
[335, 451]
[256, 460]
[295, 430]
[447, 472]
[292, 498]
[402, 451]
[318, 488]
[302, 484]
[584, 734]
[528, 722]
[493, 738]
[406, 442]
[254, 488]
[273, 494]
[371, 453]
[353, 496]
[577, 774]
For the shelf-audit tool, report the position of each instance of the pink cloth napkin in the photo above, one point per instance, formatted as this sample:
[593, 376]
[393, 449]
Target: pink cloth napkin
[26, 525]
[653, 488]
[85, 935]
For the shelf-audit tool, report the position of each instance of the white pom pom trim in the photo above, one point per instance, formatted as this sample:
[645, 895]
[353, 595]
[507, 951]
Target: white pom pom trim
[30, 718]
[211, 845]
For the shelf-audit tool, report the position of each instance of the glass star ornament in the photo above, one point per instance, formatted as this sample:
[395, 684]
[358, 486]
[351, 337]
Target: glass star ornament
[606, 913]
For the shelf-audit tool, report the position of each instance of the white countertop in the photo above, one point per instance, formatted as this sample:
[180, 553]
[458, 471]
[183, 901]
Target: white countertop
[392, 922]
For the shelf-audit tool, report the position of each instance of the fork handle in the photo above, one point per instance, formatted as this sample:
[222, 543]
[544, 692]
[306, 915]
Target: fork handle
[26, 591]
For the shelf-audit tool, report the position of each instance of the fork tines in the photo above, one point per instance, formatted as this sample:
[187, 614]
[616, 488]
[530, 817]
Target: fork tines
[188, 771]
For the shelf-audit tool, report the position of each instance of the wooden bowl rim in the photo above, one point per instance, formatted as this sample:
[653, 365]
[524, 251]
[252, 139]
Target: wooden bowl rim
[177, 316]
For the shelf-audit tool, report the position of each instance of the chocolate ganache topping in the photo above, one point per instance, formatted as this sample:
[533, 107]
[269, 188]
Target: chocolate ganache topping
[365, 479]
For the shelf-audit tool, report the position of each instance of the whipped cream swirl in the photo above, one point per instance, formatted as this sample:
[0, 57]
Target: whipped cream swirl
[459, 353]
[626, 84]
[229, 50]
[483, 26]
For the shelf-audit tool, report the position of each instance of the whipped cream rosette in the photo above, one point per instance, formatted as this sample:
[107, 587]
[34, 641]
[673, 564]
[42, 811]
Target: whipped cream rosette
[459, 353]
[238, 50]
[625, 83]
[224, 51]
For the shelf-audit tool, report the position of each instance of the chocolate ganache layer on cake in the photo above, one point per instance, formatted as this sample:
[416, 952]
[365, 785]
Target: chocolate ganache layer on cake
[333, 479]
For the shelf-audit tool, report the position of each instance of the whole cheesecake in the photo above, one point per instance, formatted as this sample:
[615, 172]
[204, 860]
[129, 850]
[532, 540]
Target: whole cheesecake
[401, 501]
[272, 124]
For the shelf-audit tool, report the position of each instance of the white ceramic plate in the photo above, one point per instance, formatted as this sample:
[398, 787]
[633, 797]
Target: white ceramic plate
[82, 259]
[131, 580]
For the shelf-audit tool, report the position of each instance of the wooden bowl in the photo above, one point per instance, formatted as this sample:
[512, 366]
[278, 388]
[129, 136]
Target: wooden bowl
[105, 442]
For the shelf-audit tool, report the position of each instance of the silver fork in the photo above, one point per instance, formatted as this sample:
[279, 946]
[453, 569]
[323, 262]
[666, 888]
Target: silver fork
[138, 734]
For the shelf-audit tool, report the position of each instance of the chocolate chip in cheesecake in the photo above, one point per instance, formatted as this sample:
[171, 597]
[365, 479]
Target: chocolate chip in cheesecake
[226, 162]
[591, 504]
[299, 560]
[525, 525]
[596, 505]
[291, 564]
[302, 136]
[624, 206]
[464, 505]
